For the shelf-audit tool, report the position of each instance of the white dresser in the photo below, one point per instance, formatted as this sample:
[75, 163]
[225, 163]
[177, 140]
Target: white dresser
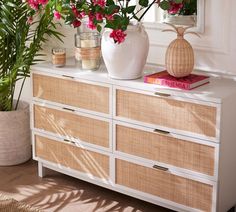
[169, 147]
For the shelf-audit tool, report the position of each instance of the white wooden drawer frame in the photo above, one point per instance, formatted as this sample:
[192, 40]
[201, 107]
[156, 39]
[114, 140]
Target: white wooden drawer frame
[170, 167]
[76, 112]
[70, 78]
[113, 120]
[111, 183]
[181, 132]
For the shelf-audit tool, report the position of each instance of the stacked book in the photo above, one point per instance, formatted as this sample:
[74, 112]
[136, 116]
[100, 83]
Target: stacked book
[186, 83]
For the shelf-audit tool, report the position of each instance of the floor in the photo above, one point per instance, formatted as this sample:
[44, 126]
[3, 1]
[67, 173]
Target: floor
[58, 192]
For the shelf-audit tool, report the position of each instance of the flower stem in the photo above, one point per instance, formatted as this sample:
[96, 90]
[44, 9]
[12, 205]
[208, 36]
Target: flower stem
[19, 95]
[154, 1]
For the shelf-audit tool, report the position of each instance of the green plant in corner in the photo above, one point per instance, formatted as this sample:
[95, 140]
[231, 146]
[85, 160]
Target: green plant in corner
[24, 27]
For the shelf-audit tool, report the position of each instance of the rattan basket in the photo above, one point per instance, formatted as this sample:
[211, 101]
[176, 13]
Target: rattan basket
[179, 57]
[15, 144]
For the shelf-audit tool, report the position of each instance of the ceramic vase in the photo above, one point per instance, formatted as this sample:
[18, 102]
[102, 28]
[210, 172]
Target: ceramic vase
[186, 20]
[127, 59]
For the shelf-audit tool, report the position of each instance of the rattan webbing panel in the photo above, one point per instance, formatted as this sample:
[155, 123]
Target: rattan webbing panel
[78, 94]
[71, 156]
[165, 185]
[166, 149]
[171, 113]
[72, 125]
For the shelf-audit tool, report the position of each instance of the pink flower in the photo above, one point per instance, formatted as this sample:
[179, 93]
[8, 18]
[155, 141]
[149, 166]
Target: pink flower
[43, 2]
[75, 11]
[101, 3]
[83, 14]
[30, 20]
[34, 4]
[57, 15]
[118, 35]
[76, 23]
[91, 25]
[109, 17]
[99, 16]
[175, 8]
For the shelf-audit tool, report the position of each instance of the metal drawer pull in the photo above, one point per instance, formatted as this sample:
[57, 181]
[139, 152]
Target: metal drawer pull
[68, 76]
[160, 168]
[161, 131]
[65, 108]
[162, 94]
[66, 140]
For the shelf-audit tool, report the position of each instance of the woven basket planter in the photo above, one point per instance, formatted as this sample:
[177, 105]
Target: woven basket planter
[15, 144]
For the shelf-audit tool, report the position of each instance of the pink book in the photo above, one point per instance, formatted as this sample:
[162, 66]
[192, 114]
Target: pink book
[186, 83]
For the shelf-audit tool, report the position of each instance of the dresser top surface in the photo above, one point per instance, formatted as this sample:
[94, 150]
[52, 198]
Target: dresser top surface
[219, 88]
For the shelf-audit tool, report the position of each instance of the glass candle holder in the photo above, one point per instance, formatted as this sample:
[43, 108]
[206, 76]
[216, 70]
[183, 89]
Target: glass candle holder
[88, 50]
[59, 57]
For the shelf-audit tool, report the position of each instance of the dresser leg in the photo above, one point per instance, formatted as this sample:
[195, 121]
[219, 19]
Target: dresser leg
[232, 209]
[41, 169]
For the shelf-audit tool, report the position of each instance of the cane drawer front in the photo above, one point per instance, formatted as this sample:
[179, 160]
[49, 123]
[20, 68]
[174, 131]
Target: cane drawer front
[70, 92]
[166, 149]
[63, 123]
[167, 112]
[165, 185]
[71, 156]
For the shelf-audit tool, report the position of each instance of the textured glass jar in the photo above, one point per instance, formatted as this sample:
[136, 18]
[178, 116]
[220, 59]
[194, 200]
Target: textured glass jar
[88, 50]
[58, 57]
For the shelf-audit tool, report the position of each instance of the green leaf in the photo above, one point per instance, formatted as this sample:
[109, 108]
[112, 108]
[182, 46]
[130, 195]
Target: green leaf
[20, 44]
[165, 5]
[178, 1]
[85, 7]
[99, 28]
[110, 25]
[112, 8]
[135, 16]
[143, 3]
[110, 2]
[59, 8]
[130, 9]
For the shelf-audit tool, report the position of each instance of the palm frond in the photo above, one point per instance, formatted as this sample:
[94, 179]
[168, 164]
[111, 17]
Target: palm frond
[19, 45]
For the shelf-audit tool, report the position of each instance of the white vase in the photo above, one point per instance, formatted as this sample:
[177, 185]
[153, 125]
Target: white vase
[186, 20]
[126, 60]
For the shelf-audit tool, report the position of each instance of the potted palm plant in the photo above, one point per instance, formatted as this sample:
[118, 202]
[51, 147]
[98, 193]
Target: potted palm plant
[24, 27]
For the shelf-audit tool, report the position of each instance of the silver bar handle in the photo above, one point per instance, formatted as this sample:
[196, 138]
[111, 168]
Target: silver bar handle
[162, 94]
[68, 76]
[160, 168]
[161, 131]
[69, 141]
[66, 108]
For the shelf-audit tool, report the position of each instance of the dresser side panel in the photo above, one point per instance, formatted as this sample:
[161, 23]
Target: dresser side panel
[227, 158]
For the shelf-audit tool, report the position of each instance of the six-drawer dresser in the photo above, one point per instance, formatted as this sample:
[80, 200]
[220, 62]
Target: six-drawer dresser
[166, 146]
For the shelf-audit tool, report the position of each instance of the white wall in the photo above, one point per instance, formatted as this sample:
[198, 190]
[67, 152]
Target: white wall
[215, 51]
